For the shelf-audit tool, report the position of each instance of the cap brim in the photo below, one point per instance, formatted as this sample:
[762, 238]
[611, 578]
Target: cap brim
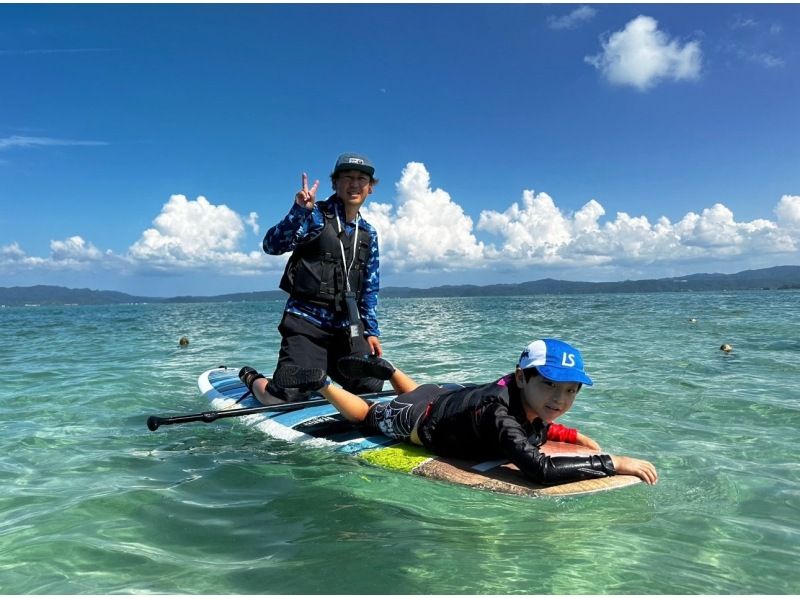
[562, 375]
[360, 167]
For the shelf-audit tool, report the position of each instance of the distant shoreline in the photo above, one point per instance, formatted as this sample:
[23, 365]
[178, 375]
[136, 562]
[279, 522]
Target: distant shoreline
[776, 278]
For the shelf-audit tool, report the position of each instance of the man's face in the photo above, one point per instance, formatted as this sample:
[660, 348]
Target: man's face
[353, 187]
[546, 399]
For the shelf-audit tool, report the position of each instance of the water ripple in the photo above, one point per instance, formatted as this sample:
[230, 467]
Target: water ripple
[94, 503]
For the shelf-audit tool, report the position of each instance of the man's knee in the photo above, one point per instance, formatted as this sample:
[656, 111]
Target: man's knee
[288, 395]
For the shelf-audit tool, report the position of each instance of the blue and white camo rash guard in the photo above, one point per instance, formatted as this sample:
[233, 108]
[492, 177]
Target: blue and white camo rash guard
[302, 225]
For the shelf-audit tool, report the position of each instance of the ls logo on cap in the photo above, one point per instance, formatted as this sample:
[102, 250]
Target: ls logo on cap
[355, 161]
[568, 360]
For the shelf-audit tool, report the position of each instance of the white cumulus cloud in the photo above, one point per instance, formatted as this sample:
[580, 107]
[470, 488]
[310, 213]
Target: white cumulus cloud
[539, 233]
[641, 56]
[186, 235]
[190, 234]
[425, 229]
[190, 228]
[788, 212]
[74, 249]
[73, 253]
[252, 222]
[428, 230]
[13, 256]
[537, 230]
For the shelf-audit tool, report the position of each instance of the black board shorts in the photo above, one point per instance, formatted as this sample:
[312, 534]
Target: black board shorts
[308, 346]
[397, 418]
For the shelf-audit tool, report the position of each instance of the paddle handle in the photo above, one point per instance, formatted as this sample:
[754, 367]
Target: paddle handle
[153, 422]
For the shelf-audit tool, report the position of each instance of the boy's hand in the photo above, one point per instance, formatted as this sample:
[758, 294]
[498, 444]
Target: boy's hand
[375, 346]
[644, 470]
[583, 440]
[305, 197]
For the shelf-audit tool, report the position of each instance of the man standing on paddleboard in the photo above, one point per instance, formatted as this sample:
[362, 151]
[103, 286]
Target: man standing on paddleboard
[332, 278]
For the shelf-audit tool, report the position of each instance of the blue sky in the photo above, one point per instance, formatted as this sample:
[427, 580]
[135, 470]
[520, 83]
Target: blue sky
[148, 148]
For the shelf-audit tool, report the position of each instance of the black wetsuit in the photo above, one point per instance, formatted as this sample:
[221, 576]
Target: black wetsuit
[482, 423]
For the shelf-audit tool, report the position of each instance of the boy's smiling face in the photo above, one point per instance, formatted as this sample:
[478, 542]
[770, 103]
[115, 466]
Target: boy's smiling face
[544, 398]
[353, 187]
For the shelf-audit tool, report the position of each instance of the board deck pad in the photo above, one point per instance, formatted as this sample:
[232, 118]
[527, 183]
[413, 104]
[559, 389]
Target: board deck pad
[322, 425]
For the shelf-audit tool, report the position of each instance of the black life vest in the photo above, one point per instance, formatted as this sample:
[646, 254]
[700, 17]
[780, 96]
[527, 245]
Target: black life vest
[315, 272]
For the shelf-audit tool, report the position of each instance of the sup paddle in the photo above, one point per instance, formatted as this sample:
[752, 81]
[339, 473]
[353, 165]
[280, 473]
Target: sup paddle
[154, 421]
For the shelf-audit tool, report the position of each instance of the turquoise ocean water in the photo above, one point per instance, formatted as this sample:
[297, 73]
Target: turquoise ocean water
[94, 503]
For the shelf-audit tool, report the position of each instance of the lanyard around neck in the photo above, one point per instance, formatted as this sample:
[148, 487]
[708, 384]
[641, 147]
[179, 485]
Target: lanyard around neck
[341, 246]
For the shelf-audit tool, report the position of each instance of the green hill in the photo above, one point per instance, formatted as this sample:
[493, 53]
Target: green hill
[779, 277]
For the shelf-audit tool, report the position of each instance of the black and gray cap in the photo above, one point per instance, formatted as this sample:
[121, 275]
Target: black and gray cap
[354, 162]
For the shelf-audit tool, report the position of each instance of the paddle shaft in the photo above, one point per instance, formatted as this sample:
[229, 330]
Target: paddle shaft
[154, 421]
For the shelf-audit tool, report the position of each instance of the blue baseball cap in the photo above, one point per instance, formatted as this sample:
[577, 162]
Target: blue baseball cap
[354, 162]
[555, 360]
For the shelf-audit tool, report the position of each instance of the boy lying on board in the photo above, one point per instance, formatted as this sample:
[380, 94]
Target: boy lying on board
[509, 418]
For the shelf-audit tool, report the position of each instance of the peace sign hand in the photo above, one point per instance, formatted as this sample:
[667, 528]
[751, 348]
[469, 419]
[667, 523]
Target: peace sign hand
[306, 197]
